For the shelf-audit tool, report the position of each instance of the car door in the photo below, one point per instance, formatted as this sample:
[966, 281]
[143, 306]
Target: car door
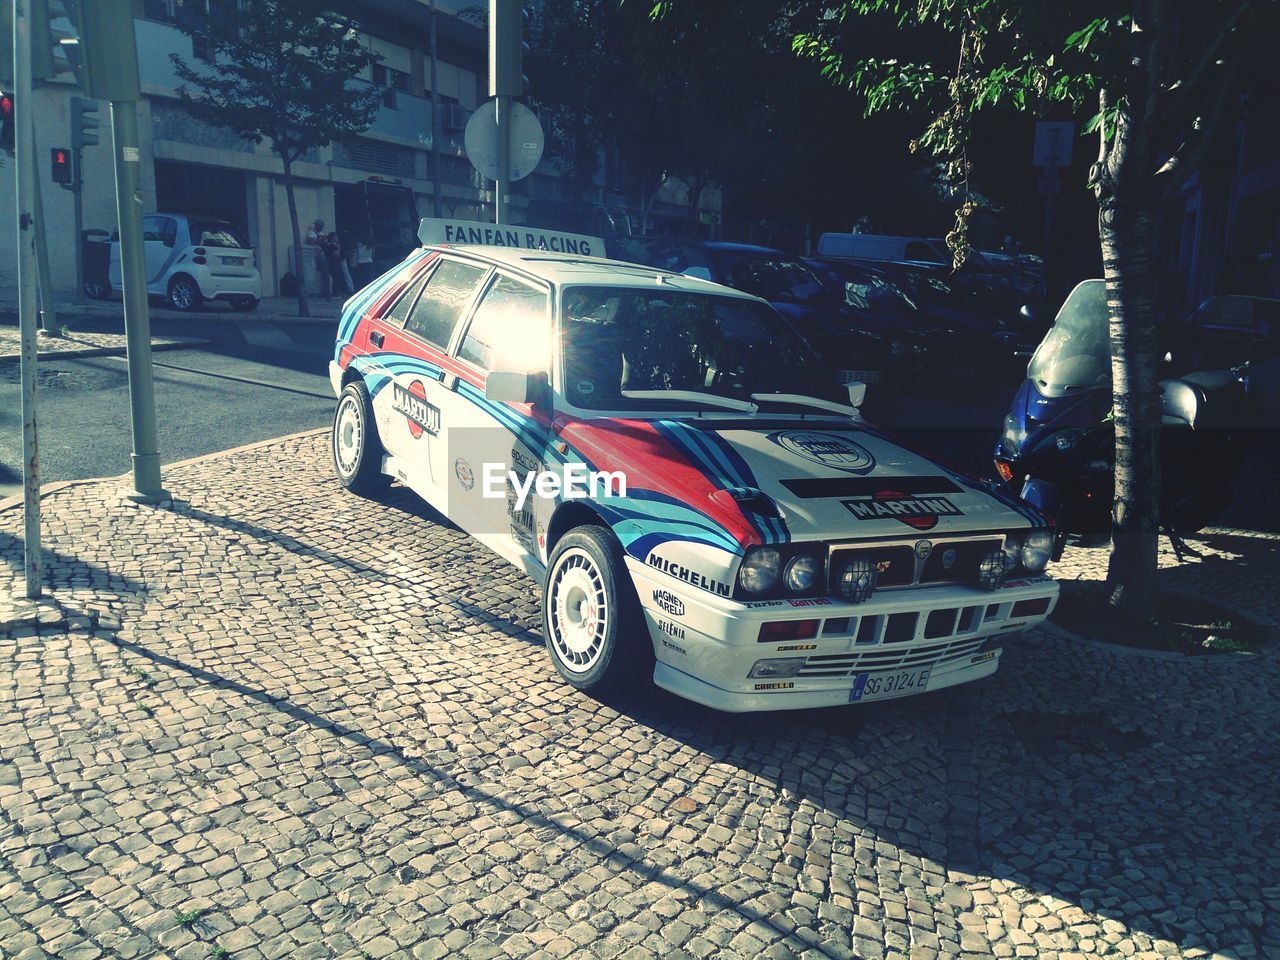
[487, 441]
[158, 238]
[416, 359]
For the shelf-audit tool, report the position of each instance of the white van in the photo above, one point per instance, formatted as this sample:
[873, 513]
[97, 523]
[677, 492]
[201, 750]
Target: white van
[871, 246]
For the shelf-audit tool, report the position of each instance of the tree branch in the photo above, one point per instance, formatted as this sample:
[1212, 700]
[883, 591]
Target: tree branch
[1177, 91]
[1190, 154]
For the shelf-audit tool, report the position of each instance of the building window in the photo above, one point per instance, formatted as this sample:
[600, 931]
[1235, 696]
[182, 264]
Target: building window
[392, 81]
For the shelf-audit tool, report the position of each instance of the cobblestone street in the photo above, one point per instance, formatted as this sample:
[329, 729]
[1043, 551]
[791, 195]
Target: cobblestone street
[275, 720]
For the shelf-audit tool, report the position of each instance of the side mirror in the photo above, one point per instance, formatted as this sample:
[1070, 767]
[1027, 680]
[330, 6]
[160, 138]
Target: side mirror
[857, 393]
[507, 386]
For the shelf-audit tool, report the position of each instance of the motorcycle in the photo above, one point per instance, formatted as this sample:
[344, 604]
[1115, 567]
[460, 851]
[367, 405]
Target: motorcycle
[1057, 446]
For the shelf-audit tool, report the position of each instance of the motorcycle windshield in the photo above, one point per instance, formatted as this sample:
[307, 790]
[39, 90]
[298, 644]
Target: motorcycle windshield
[1076, 352]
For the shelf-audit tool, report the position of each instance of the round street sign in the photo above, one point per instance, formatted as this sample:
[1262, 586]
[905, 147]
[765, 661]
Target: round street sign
[481, 140]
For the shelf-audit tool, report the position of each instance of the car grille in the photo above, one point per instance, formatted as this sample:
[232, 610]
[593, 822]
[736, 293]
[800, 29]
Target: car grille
[953, 560]
[889, 657]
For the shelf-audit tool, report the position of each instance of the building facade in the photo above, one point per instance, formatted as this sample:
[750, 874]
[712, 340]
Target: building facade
[189, 167]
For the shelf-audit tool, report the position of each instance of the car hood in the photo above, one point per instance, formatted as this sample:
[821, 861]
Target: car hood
[784, 480]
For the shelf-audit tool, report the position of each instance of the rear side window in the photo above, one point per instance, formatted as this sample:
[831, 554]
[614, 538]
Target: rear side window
[510, 330]
[446, 294]
[398, 313]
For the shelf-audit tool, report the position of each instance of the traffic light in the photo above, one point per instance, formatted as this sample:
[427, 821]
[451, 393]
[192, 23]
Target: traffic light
[7, 110]
[60, 158]
[84, 123]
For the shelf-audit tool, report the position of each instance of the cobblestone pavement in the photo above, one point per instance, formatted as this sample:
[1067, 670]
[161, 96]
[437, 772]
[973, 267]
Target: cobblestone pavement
[280, 721]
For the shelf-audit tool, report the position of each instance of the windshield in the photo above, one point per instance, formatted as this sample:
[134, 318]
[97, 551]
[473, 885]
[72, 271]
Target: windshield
[628, 338]
[215, 233]
[1076, 352]
[770, 277]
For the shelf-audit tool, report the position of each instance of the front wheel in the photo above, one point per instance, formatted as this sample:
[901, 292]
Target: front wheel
[357, 450]
[594, 627]
[184, 295]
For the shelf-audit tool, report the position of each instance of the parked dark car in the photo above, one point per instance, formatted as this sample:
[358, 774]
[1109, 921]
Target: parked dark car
[855, 343]
[967, 302]
[937, 348]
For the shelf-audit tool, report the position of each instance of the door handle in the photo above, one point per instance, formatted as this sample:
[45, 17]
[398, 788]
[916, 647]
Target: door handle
[376, 338]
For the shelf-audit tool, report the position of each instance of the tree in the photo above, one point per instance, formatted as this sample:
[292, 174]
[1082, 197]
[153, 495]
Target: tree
[280, 70]
[1158, 80]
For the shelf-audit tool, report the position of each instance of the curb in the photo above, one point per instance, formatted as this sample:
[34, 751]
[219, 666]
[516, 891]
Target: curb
[83, 311]
[53, 487]
[191, 344]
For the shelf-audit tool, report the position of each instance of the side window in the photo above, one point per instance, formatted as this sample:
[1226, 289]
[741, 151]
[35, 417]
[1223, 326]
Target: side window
[921, 251]
[439, 308]
[168, 231]
[151, 228]
[509, 330]
[400, 310]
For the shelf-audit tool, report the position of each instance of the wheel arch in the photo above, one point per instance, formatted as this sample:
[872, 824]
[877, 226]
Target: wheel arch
[570, 514]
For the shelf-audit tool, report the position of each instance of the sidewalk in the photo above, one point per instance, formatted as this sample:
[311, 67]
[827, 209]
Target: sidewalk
[269, 310]
[276, 719]
[78, 344]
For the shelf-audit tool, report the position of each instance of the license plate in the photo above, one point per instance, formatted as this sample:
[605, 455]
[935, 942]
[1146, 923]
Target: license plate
[853, 376]
[883, 686]
[233, 261]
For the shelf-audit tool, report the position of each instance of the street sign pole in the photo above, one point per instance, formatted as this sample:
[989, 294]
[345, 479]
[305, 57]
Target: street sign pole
[436, 125]
[137, 316]
[48, 317]
[502, 186]
[24, 162]
[77, 207]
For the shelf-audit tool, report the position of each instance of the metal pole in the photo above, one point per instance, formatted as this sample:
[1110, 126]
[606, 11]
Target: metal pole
[48, 317]
[502, 185]
[137, 318]
[436, 126]
[24, 153]
[77, 202]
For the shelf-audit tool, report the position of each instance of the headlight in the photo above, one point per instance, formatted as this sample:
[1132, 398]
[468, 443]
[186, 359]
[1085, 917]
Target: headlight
[858, 580]
[1014, 436]
[801, 572]
[1037, 549]
[760, 569]
[1012, 552]
[991, 570]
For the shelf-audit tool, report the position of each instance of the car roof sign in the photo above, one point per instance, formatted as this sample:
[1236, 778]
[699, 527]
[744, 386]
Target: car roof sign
[433, 231]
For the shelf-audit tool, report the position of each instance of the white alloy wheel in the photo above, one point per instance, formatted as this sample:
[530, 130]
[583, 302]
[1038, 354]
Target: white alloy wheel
[348, 436]
[579, 610]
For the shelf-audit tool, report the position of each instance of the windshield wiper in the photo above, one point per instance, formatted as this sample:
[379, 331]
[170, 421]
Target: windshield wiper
[696, 396]
[800, 400]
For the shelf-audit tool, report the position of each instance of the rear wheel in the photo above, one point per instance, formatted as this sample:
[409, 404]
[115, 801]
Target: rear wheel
[594, 627]
[184, 294]
[357, 450]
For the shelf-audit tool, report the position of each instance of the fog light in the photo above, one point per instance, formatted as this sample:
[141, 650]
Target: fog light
[991, 570]
[770, 669]
[858, 580]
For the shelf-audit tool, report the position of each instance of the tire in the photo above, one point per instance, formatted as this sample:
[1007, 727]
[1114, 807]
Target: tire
[184, 294]
[356, 448]
[244, 304]
[591, 618]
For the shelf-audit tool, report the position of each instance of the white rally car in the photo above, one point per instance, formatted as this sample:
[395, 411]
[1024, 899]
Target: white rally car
[696, 495]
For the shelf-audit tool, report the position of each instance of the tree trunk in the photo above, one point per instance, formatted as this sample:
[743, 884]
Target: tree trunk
[299, 253]
[1125, 231]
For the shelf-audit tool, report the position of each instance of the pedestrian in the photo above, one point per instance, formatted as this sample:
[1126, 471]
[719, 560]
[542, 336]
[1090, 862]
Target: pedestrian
[339, 275]
[315, 240]
[364, 259]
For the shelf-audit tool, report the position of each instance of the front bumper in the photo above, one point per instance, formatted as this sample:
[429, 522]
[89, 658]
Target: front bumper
[706, 650]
